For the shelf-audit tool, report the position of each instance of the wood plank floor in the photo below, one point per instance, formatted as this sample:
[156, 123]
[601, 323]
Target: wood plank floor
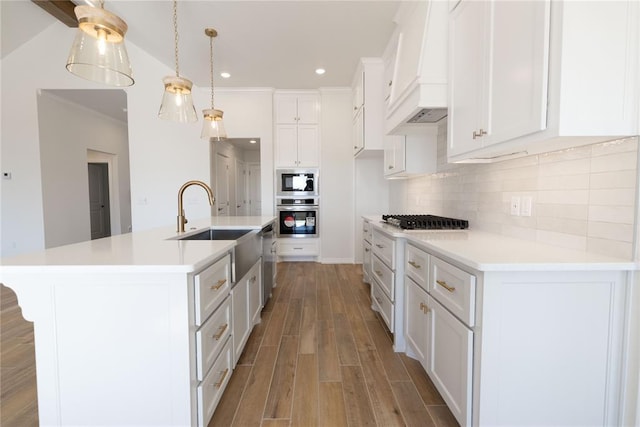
[320, 357]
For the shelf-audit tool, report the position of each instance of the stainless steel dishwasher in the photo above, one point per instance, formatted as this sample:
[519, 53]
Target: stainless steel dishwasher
[268, 262]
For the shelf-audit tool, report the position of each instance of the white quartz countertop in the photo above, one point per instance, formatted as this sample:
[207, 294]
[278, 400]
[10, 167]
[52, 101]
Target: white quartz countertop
[155, 250]
[485, 251]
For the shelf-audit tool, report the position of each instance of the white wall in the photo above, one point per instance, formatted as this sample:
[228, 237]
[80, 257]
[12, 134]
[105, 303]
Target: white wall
[249, 113]
[371, 194]
[336, 177]
[67, 131]
[163, 155]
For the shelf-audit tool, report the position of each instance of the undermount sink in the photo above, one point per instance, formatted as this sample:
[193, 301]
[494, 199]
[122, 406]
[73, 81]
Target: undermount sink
[216, 235]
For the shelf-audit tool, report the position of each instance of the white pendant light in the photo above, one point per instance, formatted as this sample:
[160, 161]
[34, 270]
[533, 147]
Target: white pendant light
[177, 101]
[213, 126]
[98, 52]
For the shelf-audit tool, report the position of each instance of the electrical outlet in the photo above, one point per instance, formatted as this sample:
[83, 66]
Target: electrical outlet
[515, 205]
[526, 206]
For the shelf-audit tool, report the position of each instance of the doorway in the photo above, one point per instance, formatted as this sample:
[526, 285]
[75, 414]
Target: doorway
[99, 206]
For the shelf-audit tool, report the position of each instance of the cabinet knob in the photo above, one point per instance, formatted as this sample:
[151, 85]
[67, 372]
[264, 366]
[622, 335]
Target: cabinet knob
[424, 308]
[479, 134]
[390, 83]
[389, 167]
[355, 108]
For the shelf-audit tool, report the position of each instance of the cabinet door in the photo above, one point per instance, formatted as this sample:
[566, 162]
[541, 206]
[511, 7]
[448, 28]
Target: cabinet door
[286, 109]
[467, 30]
[286, 145]
[519, 58]
[358, 131]
[242, 205]
[358, 91]
[308, 110]
[255, 293]
[366, 261]
[450, 360]
[394, 154]
[240, 313]
[416, 319]
[308, 146]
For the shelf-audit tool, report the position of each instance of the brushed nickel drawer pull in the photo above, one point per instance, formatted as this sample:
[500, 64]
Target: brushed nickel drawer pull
[424, 307]
[218, 285]
[444, 285]
[414, 265]
[380, 246]
[221, 330]
[224, 375]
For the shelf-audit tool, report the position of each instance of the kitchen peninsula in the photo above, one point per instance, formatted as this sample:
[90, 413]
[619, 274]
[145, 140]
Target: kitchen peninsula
[135, 329]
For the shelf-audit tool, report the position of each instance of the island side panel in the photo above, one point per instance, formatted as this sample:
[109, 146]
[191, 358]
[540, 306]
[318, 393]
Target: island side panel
[549, 347]
[111, 348]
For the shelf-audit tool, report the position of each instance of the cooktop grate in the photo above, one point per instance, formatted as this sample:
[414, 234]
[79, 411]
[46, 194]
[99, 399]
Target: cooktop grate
[425, 222]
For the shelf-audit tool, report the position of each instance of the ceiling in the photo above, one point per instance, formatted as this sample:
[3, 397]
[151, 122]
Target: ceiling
[260, 43]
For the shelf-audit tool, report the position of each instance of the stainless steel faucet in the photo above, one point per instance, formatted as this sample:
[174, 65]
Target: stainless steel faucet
[182, 220]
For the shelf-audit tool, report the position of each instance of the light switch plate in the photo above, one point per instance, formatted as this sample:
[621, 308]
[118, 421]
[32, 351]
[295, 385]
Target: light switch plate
[525, 206]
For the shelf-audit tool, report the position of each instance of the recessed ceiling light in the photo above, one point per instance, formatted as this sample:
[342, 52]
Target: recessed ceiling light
[253, 141]
[225, 75]
[320, 71]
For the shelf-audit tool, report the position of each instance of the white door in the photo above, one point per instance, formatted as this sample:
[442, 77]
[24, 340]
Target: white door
[242, 205]
[255, 190]
[222, 185]
[99, 208]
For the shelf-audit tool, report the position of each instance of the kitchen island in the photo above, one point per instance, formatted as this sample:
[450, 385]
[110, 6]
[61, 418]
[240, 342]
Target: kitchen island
[121, 324]
[511, 332]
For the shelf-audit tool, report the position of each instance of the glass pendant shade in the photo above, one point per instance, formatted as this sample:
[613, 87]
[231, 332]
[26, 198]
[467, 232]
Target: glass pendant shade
[98, 52]
[213, 126]
[177, 101]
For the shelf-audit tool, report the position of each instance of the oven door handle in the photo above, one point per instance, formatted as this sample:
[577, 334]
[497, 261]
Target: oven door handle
[299, 208]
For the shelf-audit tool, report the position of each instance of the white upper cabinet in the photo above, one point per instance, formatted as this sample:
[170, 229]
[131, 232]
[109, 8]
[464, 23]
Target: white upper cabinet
[533, 76]
[368, 130]
[409, 155]
[499, 65]
[296, 108]
[297, 141]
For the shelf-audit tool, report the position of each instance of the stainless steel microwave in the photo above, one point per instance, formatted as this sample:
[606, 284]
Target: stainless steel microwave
[297, 183]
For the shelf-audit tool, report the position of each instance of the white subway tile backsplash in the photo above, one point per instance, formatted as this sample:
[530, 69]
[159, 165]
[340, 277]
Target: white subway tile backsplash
[567, 197]
[612, 197]
[611, 231]
[583, 198]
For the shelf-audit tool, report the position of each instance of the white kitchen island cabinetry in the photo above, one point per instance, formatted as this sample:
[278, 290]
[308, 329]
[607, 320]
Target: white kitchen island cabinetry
[246, 296]
[297, 130]
[566, 97]
[134, 329]
[522, 334]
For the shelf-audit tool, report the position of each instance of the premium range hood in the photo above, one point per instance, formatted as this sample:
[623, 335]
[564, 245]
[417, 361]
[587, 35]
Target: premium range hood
[418, 97]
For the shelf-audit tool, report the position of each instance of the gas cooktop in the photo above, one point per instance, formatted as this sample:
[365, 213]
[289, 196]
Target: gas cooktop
[425, 222]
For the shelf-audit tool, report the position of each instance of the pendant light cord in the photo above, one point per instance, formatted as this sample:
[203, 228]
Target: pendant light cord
[211, 67]
[175, 32]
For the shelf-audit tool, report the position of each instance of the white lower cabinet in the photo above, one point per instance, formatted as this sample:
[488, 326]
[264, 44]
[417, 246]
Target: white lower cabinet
[212, 336]
[245, 299]
[450, 360]
[255, 293]
[211, 389]
[366, 261]
[291, 247]
[416, 321]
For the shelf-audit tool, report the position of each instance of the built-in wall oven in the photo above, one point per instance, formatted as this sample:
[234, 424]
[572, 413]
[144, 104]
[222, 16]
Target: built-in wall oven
[297, 217]
[297, 183]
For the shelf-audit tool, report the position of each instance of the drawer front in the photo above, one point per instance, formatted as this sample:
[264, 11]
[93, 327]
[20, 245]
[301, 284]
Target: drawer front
[367, 231]
[383, 276]
[417, 265]
[384, 305]
[297, 247]
[211, 337]
[453, 288]
[384, 247]
[210, 390]
[212, 287]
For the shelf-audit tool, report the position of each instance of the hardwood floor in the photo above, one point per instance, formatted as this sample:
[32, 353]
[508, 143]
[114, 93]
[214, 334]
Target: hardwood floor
[18, 397]
[320, 356]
